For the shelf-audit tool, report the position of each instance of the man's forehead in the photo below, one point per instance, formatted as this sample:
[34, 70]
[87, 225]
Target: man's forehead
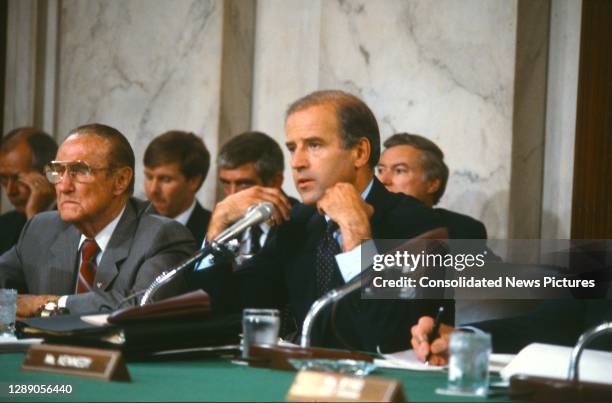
[84, 147]
[17, 158]
[165, 168]
[313, 123]
[244, 171]
[402, 152]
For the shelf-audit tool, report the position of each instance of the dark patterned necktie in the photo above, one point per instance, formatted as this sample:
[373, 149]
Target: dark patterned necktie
[254, 237]
[87, 271]
[326, 265]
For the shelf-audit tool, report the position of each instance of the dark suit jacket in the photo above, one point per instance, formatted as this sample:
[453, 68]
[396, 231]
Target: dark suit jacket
[461, 226]
[284, 272]
[198, 223]
[554, 322]
[45, 260]
[11, 224]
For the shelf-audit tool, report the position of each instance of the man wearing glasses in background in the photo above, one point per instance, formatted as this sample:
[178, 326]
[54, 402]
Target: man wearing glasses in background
[100, 247]
[24, 152]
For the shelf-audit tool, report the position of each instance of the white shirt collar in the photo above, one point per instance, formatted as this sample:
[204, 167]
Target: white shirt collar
[104, 236]
[185, 215]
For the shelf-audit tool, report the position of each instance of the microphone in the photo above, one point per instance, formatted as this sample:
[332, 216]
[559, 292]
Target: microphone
[255, 215]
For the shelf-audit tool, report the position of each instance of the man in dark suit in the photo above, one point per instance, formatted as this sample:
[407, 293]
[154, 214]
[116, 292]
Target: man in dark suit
[98, 248]
[250, 159]
[23, 154]
[175, 166]
[414, 165]
[334, 142]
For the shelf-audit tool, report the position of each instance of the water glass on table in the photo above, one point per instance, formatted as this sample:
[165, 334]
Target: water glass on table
[259, 326]
[8, 309]
[468, 365]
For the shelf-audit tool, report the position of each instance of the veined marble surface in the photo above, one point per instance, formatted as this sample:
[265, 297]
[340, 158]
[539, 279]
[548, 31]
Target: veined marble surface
[561, 118]
[144, 67]
[442, 69]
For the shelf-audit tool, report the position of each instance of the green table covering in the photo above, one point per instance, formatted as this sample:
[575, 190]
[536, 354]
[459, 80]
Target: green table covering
[197, 380]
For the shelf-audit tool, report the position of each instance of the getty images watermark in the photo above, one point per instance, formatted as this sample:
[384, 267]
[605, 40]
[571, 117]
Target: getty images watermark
[493, 269]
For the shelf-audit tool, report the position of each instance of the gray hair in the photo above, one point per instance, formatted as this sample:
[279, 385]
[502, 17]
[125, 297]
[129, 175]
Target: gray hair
[433, 158]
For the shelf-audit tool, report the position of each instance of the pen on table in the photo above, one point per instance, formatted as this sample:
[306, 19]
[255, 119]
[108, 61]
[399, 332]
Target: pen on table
[434, 332]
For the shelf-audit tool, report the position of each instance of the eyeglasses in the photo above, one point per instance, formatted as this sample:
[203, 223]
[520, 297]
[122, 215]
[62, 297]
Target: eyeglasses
[6, 178]
[79, 171]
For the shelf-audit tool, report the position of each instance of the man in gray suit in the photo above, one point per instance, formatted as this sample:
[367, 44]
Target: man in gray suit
[99, 248]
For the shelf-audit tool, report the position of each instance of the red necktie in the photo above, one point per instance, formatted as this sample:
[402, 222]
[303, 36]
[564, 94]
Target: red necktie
[87, 271]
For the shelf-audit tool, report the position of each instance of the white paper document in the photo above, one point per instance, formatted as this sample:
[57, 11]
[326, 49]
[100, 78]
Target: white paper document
[407, 360]
[96, 320]
[13, 344]
[551, 361]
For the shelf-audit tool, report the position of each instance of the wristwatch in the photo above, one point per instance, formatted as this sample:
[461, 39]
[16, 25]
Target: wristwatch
[51, 308]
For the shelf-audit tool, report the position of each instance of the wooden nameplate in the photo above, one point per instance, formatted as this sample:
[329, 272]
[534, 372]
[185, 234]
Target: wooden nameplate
[525, 387]
[89, 362]
[311, 386]
[277, 357]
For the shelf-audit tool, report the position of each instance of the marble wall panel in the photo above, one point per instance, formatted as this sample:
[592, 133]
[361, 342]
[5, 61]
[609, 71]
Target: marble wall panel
[286, 65]
[144, 67]
[561, 119]
[443, 69]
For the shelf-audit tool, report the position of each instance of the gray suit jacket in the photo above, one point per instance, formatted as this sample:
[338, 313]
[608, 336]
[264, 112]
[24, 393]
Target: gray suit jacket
[45, 259]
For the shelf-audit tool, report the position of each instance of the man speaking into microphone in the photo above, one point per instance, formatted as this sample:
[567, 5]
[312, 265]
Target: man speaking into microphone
[334, 142]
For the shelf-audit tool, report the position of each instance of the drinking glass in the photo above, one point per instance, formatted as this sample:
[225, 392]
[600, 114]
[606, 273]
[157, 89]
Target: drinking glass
[8, 309]
[259, 326]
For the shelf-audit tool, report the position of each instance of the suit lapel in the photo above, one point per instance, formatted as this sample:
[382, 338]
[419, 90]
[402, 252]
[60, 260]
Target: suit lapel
[117, 249]
[377, 198]
[63, 265]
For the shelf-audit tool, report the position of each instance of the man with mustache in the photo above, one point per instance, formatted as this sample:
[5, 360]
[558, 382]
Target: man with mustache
[334, 143]
[100, 247]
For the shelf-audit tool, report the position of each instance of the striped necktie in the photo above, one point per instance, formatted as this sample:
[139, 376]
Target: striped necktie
[87, 271]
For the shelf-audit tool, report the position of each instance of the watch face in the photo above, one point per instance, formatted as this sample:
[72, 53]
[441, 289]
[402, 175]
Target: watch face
[50, 305]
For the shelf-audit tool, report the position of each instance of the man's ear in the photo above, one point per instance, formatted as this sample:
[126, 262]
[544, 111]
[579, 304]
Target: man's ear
[361, 152]
[194, 183]
[433, 186]
[276, 181]
[122, 178]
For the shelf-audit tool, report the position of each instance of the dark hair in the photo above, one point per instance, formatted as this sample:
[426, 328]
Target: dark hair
[42, 145]
[253, 147]
[433, 158]
[184, 148]
[355, 118]
[120, 154]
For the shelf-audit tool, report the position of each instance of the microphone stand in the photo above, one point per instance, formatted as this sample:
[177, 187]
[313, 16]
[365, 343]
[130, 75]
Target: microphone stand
[254, 215]
[165, 277]
[328, 298]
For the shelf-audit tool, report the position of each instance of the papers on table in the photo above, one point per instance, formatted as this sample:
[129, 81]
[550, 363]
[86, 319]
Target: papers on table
[407, 360]
[96, 320]
[12, 344]
[551, 361]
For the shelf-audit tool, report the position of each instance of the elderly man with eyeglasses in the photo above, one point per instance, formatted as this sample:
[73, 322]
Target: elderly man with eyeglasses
[100, 249]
